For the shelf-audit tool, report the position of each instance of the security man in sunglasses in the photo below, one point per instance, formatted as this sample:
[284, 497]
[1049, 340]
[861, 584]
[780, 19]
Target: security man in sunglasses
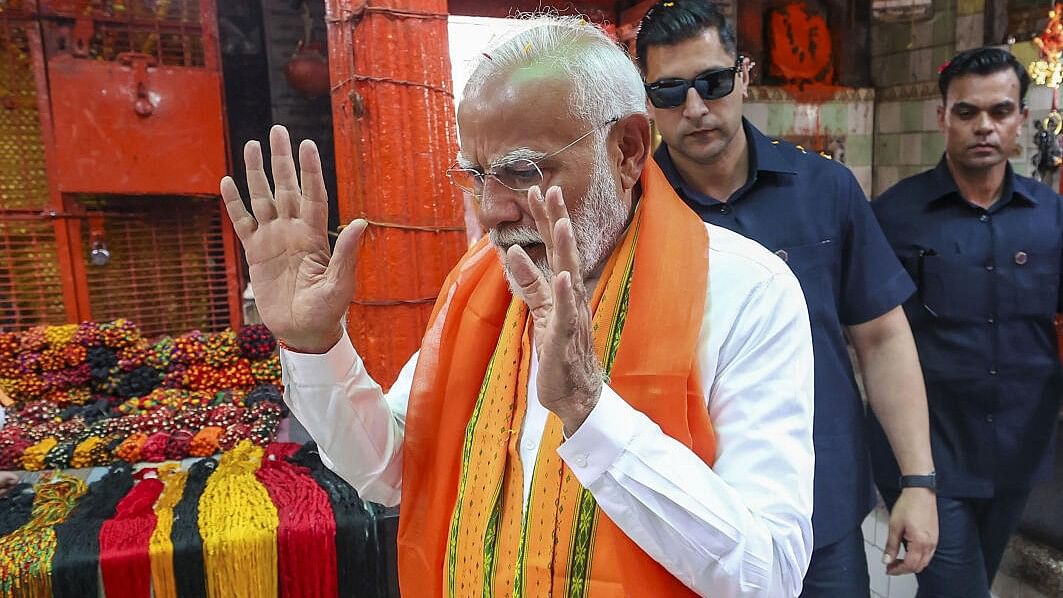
[812, 213]
[983, 244]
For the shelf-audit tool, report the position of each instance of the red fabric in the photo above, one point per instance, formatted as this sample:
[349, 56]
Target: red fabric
[125, 563]
[306, 531]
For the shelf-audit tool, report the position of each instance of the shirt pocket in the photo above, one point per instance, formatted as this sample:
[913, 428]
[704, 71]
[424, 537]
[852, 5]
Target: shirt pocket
[808, 257]
[1030, 286]
[954, 289]
[813, 264]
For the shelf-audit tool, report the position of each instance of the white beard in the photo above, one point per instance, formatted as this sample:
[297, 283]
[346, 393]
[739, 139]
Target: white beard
[597, 226]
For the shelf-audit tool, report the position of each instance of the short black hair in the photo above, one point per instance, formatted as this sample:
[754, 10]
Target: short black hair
[672, 22]
[983, 61]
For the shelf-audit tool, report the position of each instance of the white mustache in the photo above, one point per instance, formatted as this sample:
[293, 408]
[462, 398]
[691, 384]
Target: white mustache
[508, 237]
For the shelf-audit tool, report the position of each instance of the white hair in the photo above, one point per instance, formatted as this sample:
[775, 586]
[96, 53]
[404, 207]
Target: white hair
[605, 82]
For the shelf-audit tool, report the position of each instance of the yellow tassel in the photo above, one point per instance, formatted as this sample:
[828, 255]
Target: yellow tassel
[160, 546]
[238, 523]
[26, 553]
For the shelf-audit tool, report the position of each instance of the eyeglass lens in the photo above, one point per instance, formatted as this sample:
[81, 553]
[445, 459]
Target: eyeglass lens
[711, 85]
[518, 175]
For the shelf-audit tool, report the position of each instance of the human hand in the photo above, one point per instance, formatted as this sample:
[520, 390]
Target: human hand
[570, 376]
[302, 289]
[914, 518]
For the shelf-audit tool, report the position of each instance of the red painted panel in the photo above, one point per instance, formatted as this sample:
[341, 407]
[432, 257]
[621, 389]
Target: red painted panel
[104, 145]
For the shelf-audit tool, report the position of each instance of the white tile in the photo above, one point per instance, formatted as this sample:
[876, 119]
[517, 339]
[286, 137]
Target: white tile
[911, 149]
[1039, 98]
[880, 582]
[861, 118]
[882, 527]
[806, 119]
[930, 113]
[889, 117]
[903, 586]
[863, 176]
[757, 113]
[868, 529]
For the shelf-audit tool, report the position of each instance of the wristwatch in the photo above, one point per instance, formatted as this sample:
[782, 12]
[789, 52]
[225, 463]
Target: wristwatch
[920, 481]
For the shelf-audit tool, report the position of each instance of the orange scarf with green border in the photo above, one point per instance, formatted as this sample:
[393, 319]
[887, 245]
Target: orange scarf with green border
[464, 530]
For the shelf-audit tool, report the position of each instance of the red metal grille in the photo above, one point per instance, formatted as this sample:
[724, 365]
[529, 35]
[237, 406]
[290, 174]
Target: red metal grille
[30, 288]
[17, 8]
[169, 30]
[23, 178]
[167, 267]
[30, 291]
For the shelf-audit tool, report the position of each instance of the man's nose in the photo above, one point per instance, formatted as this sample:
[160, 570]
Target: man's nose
[694, 107]
[498, 205]
[983, 123]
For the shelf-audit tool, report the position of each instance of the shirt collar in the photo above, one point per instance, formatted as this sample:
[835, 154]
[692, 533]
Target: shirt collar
[942, 186]
[764, 153]
[764, 156]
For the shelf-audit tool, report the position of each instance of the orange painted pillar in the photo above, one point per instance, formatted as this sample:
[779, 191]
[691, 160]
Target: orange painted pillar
[393, 115]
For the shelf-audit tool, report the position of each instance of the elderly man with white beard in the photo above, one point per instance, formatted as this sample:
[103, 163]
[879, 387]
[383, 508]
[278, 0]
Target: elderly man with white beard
[611, 398]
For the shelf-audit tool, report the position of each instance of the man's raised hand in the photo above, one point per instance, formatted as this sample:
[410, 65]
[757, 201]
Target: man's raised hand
[302, 290]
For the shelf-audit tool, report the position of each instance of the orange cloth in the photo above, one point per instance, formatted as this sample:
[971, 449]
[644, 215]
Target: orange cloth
[463, 525]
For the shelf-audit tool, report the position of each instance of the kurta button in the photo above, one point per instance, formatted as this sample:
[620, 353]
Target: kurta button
[1021, 258]
[783, 255]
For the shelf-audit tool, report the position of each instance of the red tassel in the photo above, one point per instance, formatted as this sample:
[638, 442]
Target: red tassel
[124, 540]
[306, 536]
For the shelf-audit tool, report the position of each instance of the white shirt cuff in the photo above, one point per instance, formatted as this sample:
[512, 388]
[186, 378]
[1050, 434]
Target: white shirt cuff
[331, 368]
[602, 438]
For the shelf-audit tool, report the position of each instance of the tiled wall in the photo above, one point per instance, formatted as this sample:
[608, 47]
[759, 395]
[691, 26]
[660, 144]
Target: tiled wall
[848, 118]
[904, 65]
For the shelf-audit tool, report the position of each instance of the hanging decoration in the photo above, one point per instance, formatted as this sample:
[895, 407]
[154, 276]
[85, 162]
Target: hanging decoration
[1048, 69]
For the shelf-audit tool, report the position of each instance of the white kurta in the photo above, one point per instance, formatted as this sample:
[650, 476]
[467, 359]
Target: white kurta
[741, 528]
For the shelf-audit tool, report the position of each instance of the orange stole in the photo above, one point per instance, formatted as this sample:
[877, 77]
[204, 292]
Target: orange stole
[653, 369]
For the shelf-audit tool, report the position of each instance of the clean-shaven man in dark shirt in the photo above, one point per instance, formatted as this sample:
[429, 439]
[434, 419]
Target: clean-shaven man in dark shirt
[812, 213]
[983, 245]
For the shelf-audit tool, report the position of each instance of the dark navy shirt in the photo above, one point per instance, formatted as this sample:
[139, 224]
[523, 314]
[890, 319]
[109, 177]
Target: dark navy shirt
[812, 213]
[983, 319]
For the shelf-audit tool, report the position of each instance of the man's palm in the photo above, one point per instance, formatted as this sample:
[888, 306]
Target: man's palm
[302, 290]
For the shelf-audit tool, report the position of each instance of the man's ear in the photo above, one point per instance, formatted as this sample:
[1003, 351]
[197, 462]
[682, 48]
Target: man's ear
[631, 140]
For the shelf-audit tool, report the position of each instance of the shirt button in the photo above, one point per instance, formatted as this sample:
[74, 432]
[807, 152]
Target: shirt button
[984, 218]
[993, 372]
[725, 209]
[783, 255]
[529, 445]
[989, 418]
[1021, 258]
[580, 460]
[991, 321]
[990, 267]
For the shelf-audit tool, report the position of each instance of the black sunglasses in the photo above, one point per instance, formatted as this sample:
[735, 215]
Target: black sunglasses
[713, 84]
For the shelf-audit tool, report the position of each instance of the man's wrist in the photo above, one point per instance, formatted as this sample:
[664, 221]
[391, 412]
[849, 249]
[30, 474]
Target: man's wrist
[572, 418]
[311, 346]
[926, 481]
